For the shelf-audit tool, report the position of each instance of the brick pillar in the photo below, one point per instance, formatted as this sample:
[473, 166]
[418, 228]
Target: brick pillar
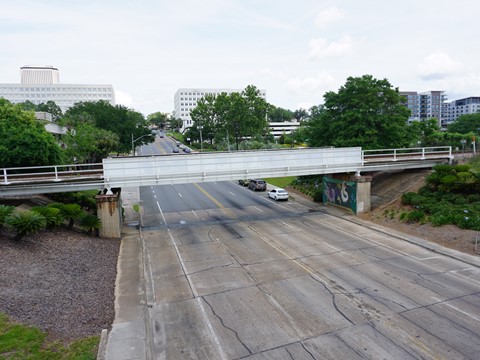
[363, 193]
[109, 211]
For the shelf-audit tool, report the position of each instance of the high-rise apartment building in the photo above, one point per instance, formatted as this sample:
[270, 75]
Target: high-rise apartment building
[426, 105]
[185, 100]
[465, 106]
[40, 84]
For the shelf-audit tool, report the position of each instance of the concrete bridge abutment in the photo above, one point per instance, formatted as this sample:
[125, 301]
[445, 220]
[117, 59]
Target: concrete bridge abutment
[109, 211]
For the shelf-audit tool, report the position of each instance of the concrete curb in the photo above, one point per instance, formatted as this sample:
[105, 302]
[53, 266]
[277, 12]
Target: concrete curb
[102, 346]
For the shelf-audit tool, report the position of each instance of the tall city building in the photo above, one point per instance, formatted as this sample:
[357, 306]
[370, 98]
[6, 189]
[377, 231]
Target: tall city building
[40, 84]
[32, 75]
[465, 106]
[185, 100]
[426, 105]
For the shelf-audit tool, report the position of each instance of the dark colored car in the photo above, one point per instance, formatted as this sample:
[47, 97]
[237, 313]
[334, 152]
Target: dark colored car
[257, 185]
[244, 182]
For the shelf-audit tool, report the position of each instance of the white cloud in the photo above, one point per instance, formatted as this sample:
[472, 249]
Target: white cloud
[438, 65]
[321, 48]
[318, 84]
[328, 17]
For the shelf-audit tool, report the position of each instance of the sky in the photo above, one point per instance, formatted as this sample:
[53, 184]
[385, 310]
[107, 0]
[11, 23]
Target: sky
[295, 50]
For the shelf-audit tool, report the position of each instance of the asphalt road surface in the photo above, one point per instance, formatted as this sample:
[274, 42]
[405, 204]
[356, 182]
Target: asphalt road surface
[232, 274]
[237, 275]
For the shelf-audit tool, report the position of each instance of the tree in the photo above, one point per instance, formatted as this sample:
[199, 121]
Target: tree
[425, 132]
[158, 119]
[242, 115]
[24, 140]
[465, 124]
[204, 115]
[277, 114]
[300, 115]
[120, 120]
[365, 112]
[52, 108]
[88, 144]
[175, 123]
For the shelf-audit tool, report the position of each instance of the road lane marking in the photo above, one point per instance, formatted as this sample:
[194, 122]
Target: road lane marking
[180, 195]
[258, 209]
[194, 213]
[232, 193]
[194, 291]
[215, 201]
[216, 340]
[444, 302]
[179, 256]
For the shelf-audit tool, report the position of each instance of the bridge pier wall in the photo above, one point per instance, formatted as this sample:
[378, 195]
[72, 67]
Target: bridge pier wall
[363, 199]
[364, 203]
[109, 211]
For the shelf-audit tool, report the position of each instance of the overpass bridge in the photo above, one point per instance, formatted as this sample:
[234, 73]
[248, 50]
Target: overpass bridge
[118, 172]
[170, 169]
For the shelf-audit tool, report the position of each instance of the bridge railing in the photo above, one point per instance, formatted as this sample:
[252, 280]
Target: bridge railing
[47, 173]
[407, 154]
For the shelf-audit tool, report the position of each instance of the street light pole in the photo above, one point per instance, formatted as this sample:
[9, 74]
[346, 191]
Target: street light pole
[200, 127]
[133, 142]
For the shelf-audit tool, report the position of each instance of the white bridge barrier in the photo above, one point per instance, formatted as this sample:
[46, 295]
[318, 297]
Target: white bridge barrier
[200, 167]
[214, 166]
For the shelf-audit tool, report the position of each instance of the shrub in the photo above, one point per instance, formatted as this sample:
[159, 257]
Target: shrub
[70, 212]
[414, 216]
[5, 210]
[407, 198]
[318, 195]
[25, 222]
[52, 215]
[90, 223]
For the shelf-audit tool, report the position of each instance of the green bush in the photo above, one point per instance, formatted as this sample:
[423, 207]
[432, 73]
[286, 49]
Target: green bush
[413, 216]
[408, 198]
[25, 222]
[5, 210]
[318, 195]
[72, 212]
[52, 215]
[90, 223]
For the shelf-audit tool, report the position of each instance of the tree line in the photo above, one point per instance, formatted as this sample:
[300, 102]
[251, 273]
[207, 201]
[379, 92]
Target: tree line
[364, 112]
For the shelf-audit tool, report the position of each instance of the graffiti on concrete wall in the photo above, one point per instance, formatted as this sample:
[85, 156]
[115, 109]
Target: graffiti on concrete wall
[340, 192]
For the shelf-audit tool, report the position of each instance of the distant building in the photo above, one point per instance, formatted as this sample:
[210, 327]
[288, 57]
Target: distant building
[278, 129]
[40, 84]
[185, 100]
[456, 108]
[426, 105]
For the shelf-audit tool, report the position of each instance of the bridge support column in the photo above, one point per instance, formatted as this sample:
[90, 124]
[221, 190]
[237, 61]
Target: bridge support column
[364, 203]
[109, 211]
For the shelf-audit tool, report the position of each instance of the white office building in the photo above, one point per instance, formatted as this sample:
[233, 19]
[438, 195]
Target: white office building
[465, 106]
[278, 129]
[40, 84]
[185, 100]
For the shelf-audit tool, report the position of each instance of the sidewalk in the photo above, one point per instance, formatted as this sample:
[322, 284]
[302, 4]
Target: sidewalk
[126, 340]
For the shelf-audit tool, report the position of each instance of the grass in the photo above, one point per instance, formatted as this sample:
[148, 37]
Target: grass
[280, 182]
[18, 342]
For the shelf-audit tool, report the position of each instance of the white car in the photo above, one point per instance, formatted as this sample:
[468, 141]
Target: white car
[278, 194]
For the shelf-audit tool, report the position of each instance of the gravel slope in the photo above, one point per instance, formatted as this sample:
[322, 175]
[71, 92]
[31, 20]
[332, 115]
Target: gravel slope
[60, 281]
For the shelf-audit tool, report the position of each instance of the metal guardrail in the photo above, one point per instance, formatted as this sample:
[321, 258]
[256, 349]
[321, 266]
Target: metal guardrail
[74, 177]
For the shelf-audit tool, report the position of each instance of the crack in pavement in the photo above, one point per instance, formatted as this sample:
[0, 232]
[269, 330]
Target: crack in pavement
[225, 326]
